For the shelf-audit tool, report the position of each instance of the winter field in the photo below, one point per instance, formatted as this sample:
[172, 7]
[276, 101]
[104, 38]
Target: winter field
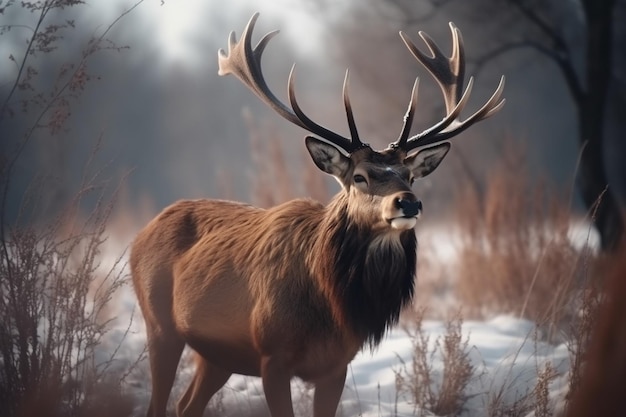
[517, 312]
[495, 365]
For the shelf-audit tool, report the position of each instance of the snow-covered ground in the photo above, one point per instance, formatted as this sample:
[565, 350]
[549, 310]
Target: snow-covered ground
[504, 350]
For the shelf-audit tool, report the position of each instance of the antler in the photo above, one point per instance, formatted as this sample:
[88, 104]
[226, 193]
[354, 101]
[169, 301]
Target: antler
[245, 63]
[449, 74]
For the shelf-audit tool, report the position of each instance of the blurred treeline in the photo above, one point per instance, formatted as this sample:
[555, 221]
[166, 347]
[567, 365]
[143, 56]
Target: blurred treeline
[180, 128]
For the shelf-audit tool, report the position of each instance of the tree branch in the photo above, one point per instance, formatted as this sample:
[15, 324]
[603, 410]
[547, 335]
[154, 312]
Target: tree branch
[563, 63]
[5, 105]
[559, 52]
[543, 26]
[7, 169]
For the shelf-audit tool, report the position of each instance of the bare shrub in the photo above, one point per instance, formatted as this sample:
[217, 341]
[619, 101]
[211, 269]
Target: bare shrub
[545, 376]
[417, 381]
[457, 369]
[441, 394]
[106, 397]
[54, 291]
[53, 300]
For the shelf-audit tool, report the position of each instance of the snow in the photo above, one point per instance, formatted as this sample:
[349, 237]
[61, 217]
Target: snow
[504, 352]
[507, 354]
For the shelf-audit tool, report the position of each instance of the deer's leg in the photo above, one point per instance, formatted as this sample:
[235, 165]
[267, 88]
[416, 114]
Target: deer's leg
[164, 353]
[207, 380]
[327, 395]
[276, 385]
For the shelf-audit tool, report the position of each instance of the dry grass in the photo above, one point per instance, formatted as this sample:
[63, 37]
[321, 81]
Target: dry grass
[516, 254]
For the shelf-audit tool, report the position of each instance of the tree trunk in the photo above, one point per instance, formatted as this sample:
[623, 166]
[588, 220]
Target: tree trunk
[592, 178]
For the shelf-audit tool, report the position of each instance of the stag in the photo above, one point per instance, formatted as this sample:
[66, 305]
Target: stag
[298, 289]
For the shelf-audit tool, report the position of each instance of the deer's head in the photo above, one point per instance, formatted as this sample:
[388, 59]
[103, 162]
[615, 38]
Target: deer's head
[378, 183]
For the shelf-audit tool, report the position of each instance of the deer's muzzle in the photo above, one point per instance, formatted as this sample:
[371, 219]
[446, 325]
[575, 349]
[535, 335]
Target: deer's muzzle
[409, 208]
[403, 211]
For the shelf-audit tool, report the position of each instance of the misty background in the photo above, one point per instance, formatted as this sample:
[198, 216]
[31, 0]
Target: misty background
[172, 128]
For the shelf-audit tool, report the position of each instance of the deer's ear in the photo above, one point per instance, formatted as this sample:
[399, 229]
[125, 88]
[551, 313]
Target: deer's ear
[427, 160]
[327, 157]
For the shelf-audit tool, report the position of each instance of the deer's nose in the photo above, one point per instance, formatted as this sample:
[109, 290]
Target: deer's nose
[410, 206]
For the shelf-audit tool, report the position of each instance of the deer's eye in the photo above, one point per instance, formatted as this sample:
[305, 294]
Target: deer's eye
[358, 178]
[412, 180]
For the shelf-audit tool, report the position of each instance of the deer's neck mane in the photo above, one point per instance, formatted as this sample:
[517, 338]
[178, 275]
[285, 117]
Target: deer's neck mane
[367, 274]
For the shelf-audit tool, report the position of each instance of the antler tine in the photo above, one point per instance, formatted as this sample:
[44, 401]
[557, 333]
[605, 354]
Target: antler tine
[408, 117]
[449, 72]
[356, 142]
[244, 62]
[493, 105]
[308, 124]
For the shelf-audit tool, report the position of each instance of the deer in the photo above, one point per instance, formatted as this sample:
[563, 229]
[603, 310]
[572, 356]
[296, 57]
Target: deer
[298, 289]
